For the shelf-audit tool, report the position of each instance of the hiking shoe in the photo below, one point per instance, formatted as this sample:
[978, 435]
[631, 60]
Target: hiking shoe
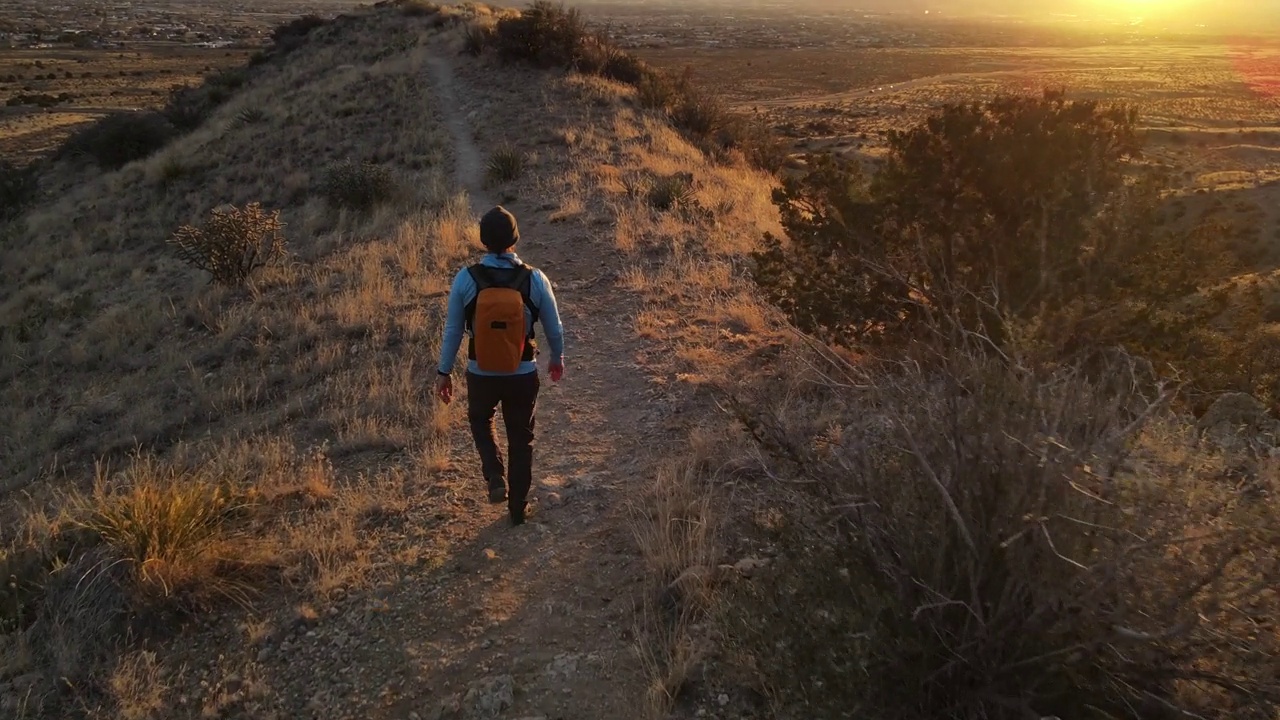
[497, 491]
[520, 514]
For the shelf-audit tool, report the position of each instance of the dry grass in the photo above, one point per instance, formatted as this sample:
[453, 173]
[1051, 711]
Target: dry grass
[137, 687]
[250, 426]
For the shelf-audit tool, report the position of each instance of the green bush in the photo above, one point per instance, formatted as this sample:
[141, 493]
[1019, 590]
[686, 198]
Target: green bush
[18, 187]
[233, 243]
[119, 139]
[993, 543]
[983, 211]
[358, 186]
[1024, 220]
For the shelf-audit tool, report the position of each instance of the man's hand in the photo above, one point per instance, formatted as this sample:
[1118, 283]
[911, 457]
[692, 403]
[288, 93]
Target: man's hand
[557, 371]
[444, 388]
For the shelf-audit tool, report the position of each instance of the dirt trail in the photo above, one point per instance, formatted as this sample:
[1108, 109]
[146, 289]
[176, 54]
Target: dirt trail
[534, 621]
[468, 166]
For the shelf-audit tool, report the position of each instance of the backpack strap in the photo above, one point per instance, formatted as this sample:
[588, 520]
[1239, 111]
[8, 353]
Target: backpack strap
[524, 283]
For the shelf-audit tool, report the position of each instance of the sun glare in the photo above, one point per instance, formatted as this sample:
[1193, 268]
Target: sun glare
[1145, 7]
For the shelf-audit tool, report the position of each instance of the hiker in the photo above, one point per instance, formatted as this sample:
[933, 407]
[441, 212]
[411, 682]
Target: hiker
[497, 301]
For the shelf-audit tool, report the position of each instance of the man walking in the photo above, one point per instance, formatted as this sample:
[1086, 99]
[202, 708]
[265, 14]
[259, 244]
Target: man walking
[496, 302]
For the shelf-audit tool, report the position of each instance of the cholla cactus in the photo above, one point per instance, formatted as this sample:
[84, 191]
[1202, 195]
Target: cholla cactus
[233, 242]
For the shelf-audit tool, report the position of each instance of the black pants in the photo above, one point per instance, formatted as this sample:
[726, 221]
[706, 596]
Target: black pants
[518, 396]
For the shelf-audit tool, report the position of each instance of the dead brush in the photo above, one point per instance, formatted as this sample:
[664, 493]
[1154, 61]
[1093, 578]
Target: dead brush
[233, 243]
[977, 540]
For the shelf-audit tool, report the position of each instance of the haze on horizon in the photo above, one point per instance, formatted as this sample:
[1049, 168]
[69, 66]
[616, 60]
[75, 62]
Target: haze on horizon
[1255, 16]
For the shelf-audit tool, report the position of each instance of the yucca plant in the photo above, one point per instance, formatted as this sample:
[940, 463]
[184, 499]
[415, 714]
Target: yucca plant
[671, 191]
[250, 116]
[506, 164]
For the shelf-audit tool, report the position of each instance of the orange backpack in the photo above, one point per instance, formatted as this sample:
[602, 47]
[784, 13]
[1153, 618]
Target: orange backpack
[496, 318]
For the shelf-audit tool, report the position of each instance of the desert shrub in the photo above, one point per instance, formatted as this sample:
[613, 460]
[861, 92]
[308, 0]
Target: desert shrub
[119, 139]
[831, 274]
[164, 528]
[659, 90]
[988, 211]
[420, 8]
[506, 164]
[477, 37]
[1000, 543]
[293, 34]
[623, 66]
[698, 112]
[545, 33]
[18, 187]
[188, 108]
[233, 243]
[358, 186]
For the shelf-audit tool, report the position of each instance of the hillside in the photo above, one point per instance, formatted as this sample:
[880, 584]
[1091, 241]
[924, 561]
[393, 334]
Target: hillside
[390, 587]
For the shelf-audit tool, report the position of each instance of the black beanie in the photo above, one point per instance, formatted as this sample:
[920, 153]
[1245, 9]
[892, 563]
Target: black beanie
[498, 230]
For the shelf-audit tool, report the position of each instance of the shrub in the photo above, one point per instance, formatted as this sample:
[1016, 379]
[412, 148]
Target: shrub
[659, 90]
[544, 34]
[1045, 546]
[119, 139]
[18, 187]
[505, 165]
[358, 186]
[233, 243]
[420, 8]
[983, 211]
[477, 36]
[293, 34]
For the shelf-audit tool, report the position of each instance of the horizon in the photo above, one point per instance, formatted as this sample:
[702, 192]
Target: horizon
[1252, 15]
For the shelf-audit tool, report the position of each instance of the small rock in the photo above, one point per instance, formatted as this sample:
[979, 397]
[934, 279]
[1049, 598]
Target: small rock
[489, 697]
[563, 667]
[233, 683]
[723, 699]
[746, 567]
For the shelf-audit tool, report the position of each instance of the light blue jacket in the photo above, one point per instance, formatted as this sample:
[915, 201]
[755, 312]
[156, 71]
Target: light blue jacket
[464, 291]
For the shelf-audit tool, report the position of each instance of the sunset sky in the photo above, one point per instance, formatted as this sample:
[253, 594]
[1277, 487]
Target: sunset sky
[1255, 16]
[1261, 14]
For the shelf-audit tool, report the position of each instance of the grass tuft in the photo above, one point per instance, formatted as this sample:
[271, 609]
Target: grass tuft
[166, 527]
